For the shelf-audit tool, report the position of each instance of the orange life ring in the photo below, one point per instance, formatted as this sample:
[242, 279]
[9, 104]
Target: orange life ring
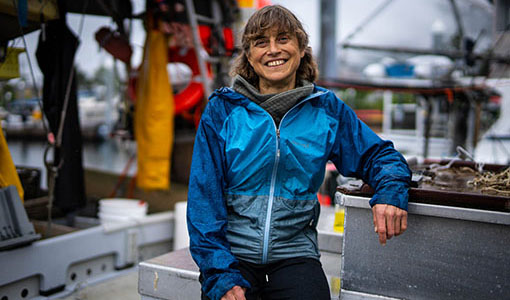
[189, 97]
[193, 94]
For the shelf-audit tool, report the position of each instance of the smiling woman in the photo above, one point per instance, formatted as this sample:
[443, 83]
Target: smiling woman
[276, 36]
[275, 57]
[259, 159]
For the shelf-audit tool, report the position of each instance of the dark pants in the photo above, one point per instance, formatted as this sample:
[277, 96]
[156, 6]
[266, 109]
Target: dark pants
[296, 279]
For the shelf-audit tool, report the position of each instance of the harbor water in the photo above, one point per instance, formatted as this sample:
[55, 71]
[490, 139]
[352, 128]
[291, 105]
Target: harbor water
[109, 155]
[112, 155]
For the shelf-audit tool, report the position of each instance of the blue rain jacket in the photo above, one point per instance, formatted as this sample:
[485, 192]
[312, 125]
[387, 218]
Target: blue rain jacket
[253, 185]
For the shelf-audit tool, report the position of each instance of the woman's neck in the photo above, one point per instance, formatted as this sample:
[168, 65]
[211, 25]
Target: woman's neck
[266, 87]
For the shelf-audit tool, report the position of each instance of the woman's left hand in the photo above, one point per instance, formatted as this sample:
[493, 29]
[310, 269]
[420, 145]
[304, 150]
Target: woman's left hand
[235, 293]
[389, 221]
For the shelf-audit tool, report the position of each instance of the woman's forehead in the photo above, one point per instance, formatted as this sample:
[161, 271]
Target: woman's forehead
[273, 31]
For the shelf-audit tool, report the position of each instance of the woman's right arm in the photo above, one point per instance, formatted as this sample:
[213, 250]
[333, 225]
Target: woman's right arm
[206, 212]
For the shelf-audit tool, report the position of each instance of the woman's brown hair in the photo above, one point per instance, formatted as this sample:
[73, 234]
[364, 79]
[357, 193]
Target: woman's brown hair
[274, 16]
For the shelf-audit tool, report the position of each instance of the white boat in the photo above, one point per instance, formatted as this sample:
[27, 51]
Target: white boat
[24, 118]
[494, 147]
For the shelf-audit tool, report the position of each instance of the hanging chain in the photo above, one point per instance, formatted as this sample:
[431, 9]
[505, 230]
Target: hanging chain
[52, 173]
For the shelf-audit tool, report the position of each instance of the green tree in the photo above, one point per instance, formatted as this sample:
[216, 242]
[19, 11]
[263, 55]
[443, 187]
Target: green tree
[84, 82]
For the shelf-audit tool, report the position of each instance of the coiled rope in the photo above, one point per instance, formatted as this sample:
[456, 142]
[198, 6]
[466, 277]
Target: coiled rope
[493, 183]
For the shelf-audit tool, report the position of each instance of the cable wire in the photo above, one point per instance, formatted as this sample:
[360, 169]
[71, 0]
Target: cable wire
[60, 131]
[367, 20]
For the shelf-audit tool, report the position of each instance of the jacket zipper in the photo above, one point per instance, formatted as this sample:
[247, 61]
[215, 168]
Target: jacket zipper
[271, 197]
[273, 181]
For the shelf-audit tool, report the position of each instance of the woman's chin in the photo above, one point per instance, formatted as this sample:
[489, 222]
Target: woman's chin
[278, 79]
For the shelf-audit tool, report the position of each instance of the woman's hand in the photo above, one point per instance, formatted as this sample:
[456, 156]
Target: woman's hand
[389, 221]
[235, 293]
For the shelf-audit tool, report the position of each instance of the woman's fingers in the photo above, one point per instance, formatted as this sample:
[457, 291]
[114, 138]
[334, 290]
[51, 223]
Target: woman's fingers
[375, 219]
[380, 222]
[403, 222]
[235, 293]
[388, 221]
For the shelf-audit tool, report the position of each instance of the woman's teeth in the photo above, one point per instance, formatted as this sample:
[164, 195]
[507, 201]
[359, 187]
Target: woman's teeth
[275, 63]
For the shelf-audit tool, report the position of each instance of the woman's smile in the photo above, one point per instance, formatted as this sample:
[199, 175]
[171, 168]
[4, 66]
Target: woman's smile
[275, 63]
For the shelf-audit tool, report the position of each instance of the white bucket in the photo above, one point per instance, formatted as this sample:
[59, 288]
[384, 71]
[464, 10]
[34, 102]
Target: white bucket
[118, 210]
[181, 237]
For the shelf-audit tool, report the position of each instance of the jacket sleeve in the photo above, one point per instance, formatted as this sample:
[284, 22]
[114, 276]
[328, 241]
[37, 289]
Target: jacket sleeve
[359, 152]
[207, 213]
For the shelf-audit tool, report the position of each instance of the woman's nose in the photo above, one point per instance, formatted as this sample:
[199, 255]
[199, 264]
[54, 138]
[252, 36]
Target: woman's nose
[273, 47]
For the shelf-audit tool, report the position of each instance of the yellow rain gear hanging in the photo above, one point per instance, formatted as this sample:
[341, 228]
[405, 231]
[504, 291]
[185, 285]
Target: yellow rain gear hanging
[8, 174]
[154, 115]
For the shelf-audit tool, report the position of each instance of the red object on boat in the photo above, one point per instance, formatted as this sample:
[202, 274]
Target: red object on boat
[228, 36]
[189, 97]
[114, 43]
[193, 94]
[262, 3]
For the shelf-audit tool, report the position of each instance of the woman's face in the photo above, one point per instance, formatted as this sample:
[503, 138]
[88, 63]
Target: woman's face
[275, 57]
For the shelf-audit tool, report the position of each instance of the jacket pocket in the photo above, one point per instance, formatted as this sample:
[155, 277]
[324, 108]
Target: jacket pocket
[292, 216]
[298, 205]
[244, 227]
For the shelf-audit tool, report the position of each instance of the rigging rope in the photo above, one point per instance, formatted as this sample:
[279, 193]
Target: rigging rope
[58, 141]
[367, 20]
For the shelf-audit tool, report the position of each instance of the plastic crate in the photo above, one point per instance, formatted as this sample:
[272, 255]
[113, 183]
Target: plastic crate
[15, 229]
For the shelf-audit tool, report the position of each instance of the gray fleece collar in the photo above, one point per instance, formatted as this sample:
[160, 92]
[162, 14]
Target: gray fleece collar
[275, 104]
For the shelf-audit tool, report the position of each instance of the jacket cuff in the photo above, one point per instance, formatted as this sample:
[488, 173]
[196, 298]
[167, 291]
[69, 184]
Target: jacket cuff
[224, 283]
[398, 196]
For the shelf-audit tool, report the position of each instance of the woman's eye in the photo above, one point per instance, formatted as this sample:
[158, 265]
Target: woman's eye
[284, 38]
[260, 43]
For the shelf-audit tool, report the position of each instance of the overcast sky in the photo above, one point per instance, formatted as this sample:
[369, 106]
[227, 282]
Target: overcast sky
[402, 23]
